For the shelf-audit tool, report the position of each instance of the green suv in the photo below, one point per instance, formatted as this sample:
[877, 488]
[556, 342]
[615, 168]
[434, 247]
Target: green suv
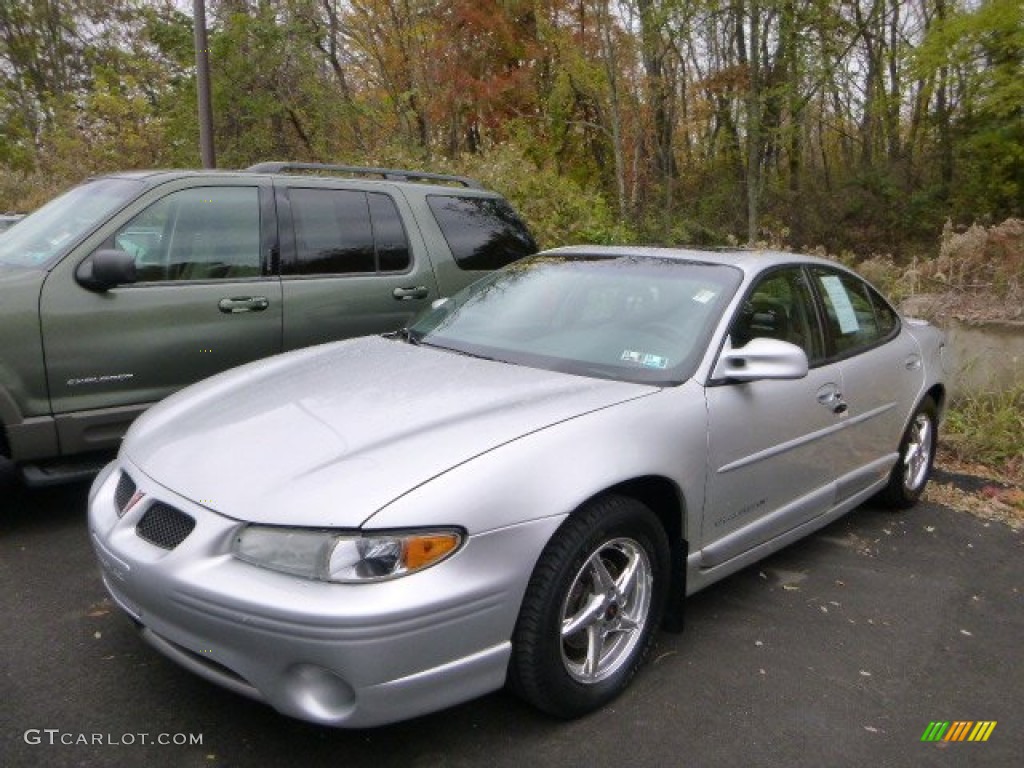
[133, 285]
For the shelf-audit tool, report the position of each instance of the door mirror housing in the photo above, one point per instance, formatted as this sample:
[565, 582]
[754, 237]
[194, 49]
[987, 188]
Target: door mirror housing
[761, 358]
[106, 268]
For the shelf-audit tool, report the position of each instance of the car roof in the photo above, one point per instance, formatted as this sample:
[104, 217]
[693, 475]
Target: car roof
[750, 260]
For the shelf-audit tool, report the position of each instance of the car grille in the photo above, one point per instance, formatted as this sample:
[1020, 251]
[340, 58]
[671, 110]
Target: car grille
[165, 526]
[123, 493]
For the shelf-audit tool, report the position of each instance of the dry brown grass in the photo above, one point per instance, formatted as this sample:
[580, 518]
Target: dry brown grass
[978, 274]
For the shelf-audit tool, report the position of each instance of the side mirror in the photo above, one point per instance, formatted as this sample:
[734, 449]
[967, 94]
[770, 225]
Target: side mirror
[761, 358]
[105, 269]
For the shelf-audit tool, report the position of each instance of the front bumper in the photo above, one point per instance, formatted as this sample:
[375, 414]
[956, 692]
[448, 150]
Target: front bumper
[337, 654]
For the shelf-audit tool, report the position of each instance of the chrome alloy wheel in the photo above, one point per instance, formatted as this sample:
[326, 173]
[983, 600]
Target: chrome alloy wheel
[606, 610]
[918, 453]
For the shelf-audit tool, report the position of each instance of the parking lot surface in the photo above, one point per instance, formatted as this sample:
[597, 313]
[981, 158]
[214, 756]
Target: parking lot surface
[839, 650]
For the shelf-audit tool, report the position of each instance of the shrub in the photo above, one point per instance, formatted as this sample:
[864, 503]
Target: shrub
[987, 429]
[557, 209]
[981, 260]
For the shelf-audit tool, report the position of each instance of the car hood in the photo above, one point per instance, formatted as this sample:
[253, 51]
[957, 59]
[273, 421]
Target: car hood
[327, 436]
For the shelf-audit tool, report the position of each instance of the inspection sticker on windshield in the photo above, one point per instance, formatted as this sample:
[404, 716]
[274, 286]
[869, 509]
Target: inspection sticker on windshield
[645, 359]
[654, 361]
[704, 296]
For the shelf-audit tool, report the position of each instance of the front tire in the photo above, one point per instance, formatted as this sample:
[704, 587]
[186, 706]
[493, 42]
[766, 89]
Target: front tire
[9, 479]
[916, 455]
[591, 609]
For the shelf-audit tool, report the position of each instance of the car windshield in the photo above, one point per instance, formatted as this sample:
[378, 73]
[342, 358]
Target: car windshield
[632, 318]
[42, 237]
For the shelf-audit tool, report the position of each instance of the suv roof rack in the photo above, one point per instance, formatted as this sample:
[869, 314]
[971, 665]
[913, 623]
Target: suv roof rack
[393, 174]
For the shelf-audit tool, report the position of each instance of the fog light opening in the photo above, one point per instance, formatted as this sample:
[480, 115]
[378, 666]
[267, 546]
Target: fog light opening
[319, 693]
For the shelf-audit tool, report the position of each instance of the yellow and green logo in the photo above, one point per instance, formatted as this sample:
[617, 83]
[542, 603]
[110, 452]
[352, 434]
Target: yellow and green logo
[959, 730]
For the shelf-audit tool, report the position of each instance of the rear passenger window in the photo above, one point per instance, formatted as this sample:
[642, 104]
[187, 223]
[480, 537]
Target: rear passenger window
[345, 231]
[886, 316]
[482, 232]
[856, 316]
[332, 232]
[388, 234]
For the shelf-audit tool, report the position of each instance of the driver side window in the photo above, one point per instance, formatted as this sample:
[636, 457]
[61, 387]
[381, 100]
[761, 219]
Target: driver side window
[781, 306]
[205, 233]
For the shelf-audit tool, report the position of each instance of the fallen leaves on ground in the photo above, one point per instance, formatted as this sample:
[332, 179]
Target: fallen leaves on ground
[988, 506]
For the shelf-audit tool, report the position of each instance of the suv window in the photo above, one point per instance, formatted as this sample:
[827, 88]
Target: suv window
[781, 306]
[204, 233]
[59, 225]
[856, 317]
[389, 236]
[345, 231]
[482, 232]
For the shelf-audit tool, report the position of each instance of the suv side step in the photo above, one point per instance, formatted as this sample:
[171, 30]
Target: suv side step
[393, 174]
[61, 471]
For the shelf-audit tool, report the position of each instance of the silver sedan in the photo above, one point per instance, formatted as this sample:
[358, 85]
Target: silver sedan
[520, 488]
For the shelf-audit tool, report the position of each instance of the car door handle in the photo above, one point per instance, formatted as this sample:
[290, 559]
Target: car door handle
[243, 304]
[912, 363]
[830, 397]
[405, 294]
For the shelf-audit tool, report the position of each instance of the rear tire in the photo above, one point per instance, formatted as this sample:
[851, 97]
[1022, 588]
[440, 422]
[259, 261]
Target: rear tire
[591, 609]
[909, 477]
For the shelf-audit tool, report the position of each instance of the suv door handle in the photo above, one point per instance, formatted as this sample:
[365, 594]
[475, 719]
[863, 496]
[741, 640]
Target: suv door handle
[404, 294]
[243, 304]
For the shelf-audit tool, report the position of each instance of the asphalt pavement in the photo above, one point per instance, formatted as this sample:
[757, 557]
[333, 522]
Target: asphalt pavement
[839, 650]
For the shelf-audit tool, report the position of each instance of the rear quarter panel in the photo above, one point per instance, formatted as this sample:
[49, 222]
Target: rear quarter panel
[450, 277]
[934, 354]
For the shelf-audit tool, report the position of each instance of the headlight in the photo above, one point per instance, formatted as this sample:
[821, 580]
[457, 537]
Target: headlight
[347, 558]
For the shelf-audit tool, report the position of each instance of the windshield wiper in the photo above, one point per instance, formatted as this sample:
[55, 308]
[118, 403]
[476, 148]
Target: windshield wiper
[405, 334]
[459, 351]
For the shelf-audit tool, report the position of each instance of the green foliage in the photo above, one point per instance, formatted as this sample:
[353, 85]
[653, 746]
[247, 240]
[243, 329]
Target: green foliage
[991, 185]
[873, 128]
[987, 428]
[559, 210]
[983, 47]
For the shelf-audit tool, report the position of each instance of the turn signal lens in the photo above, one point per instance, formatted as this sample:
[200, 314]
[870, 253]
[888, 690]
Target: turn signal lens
[421, 551]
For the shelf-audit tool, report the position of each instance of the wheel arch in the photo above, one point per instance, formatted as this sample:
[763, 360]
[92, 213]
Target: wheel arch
[665, 499]
[937, 393]
[9, 414]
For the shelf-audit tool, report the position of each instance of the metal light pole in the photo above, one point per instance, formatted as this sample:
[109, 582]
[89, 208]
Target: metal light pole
[203, 85]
